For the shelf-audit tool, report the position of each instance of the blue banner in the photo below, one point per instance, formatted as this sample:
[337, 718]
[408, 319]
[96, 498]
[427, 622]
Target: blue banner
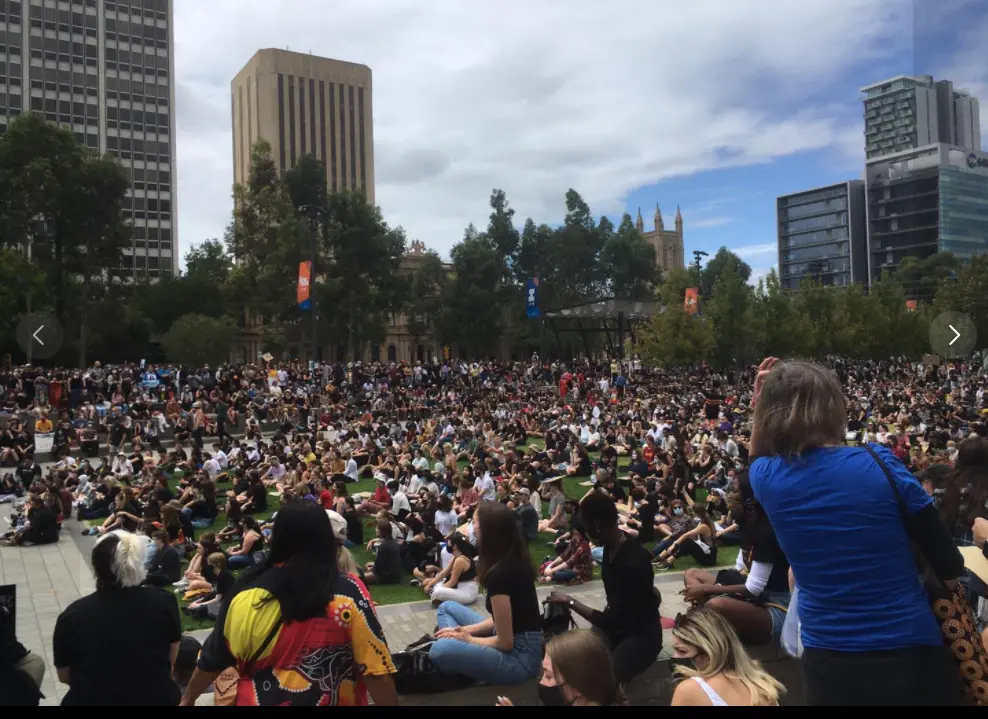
[532, 298]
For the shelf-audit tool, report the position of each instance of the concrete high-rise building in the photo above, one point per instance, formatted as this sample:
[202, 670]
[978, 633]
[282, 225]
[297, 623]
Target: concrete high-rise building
[822, 235]
[905, 113]
[303, 104]
[104, 70]
[668, 244]
[931, 199]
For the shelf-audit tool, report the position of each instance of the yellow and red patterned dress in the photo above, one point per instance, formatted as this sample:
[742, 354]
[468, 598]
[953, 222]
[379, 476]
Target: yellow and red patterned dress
[318, 662]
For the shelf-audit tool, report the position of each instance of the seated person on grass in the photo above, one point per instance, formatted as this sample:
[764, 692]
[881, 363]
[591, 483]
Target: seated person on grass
[386, 567]
[220, 583]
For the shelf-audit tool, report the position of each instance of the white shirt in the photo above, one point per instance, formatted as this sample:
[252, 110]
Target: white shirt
[484, 486]
[399, 502]
[253, 455]
[212, 467]
[220, 456]
[420, 463]
[729, 446]
[351, 469]
[446, 522]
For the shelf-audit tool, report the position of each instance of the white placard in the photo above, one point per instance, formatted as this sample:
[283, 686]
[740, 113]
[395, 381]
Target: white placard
[43, 442]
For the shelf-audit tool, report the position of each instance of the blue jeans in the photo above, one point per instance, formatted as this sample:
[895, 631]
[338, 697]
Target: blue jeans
[485, 664]
[240, 561]
[197, 522]
[564, 576]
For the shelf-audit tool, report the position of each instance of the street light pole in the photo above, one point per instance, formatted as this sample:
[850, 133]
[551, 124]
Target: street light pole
[314, 211]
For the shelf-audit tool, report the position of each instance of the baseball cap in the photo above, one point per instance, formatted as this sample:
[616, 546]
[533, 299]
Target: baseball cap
[525, 491]
[338, 524]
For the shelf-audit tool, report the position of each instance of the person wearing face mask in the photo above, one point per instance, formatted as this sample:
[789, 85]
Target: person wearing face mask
[576, 672]
[629, 624]
[714, 668]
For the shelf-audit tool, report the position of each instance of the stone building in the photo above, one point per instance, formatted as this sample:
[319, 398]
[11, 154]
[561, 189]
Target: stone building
[668, 244]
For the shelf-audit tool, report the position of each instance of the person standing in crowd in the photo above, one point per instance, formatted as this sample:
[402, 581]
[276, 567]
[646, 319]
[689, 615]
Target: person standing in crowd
[576, 672]
[117, 646]
[714, 668]
[869, 634]
[198, 424]
[630, 621]
[505, 648]
[386, 567]
[299, 632]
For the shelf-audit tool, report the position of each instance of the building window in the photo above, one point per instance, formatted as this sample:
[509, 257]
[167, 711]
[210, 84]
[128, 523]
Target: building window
[363, 150]
[332, 133]
[353, 141]
[301, 114]
[281, 119]
[291, 119]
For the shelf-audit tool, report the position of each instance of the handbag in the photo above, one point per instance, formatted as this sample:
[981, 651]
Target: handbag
[226, 684]
[556, 619]
[953, 614]
[417, 674]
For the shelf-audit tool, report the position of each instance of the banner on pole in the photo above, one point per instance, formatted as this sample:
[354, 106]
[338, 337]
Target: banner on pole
[532, 298]
[691, 302]
[304, 280]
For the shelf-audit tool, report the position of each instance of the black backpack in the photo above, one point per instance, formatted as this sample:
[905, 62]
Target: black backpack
[556, 619]
[416, 674]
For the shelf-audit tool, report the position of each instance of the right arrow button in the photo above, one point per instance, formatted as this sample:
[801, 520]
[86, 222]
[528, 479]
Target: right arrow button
[957, 335]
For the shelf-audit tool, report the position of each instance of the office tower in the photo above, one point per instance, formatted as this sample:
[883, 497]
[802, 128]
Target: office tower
[821, 235]
[931, 199]
[905, 113]
[105, 71]
[303, 104]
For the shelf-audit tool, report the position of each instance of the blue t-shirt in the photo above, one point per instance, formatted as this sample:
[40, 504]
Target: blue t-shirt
[838, 523]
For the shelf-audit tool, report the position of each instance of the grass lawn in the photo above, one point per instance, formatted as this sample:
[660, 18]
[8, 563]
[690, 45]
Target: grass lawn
[404, 592]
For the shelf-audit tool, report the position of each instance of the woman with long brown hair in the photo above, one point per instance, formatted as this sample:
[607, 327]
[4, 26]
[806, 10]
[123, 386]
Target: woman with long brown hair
[505, 648]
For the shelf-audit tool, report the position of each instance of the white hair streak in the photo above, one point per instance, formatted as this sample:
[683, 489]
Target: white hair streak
[128, 559]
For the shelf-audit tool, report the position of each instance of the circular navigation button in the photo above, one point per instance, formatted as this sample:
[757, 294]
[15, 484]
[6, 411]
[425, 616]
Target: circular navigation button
[953, 335]
[40, 335]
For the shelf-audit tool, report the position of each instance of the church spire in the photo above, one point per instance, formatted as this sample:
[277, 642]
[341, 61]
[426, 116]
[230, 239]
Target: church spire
[679, 220]
[640, 223]
[659, 225]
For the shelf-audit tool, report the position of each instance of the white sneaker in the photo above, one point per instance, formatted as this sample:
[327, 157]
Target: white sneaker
[181, 583]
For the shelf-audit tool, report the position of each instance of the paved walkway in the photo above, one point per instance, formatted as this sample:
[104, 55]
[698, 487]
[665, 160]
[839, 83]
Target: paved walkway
[48, 579]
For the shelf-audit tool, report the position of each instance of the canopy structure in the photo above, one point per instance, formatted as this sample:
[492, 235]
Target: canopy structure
[593, 317]
[608, 309]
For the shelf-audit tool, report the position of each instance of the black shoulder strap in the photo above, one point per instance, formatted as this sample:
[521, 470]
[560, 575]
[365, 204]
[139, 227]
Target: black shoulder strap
[895, 490]
[249, 666]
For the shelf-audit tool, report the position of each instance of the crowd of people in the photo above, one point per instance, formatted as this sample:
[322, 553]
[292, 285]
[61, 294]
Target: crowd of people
[822, 475]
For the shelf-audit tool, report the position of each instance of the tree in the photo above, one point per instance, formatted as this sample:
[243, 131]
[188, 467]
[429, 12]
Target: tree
[426, 289]
[724, 260]
[779, 328]
[629, 263]
[194, 340]
[363, 283]
[62, 205]
[675, 338]
[729, 313]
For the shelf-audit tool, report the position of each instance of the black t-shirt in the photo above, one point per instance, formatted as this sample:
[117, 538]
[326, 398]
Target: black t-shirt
[761, 545]
[115, 644]
[646, 517]
[223, 583]
[629, 584]
[387, 564]
[508, 578]
[258, 495]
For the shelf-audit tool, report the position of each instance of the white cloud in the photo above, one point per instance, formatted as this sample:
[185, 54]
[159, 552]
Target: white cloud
[534, 98]
[709, 222]
[757, 274]
[749, 251]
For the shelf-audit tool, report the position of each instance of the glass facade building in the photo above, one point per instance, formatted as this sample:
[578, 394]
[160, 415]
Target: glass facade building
[933, 199]
[821, 235]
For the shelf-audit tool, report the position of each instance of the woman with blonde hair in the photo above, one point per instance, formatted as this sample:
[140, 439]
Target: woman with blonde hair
[838, 511]
[576, 671]
[714, 668]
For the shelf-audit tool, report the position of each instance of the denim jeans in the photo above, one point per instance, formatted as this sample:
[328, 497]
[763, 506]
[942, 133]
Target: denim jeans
[240, 561]
[197, 522]
[485, 664]
[563, 576]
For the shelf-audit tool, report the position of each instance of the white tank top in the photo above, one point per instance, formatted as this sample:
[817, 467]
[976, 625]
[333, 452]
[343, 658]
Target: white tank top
[715, 698]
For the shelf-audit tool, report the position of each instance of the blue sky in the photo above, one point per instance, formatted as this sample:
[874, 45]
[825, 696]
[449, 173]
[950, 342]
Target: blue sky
[715, 105]
[735, 206]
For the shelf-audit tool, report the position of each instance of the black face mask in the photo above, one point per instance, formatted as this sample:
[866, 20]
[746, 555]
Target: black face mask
[552, 696]
[685, 663]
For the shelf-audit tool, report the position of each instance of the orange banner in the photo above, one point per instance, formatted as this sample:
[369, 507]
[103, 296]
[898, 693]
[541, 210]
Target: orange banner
[691, 303]
[911, 305]
[303, 291]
